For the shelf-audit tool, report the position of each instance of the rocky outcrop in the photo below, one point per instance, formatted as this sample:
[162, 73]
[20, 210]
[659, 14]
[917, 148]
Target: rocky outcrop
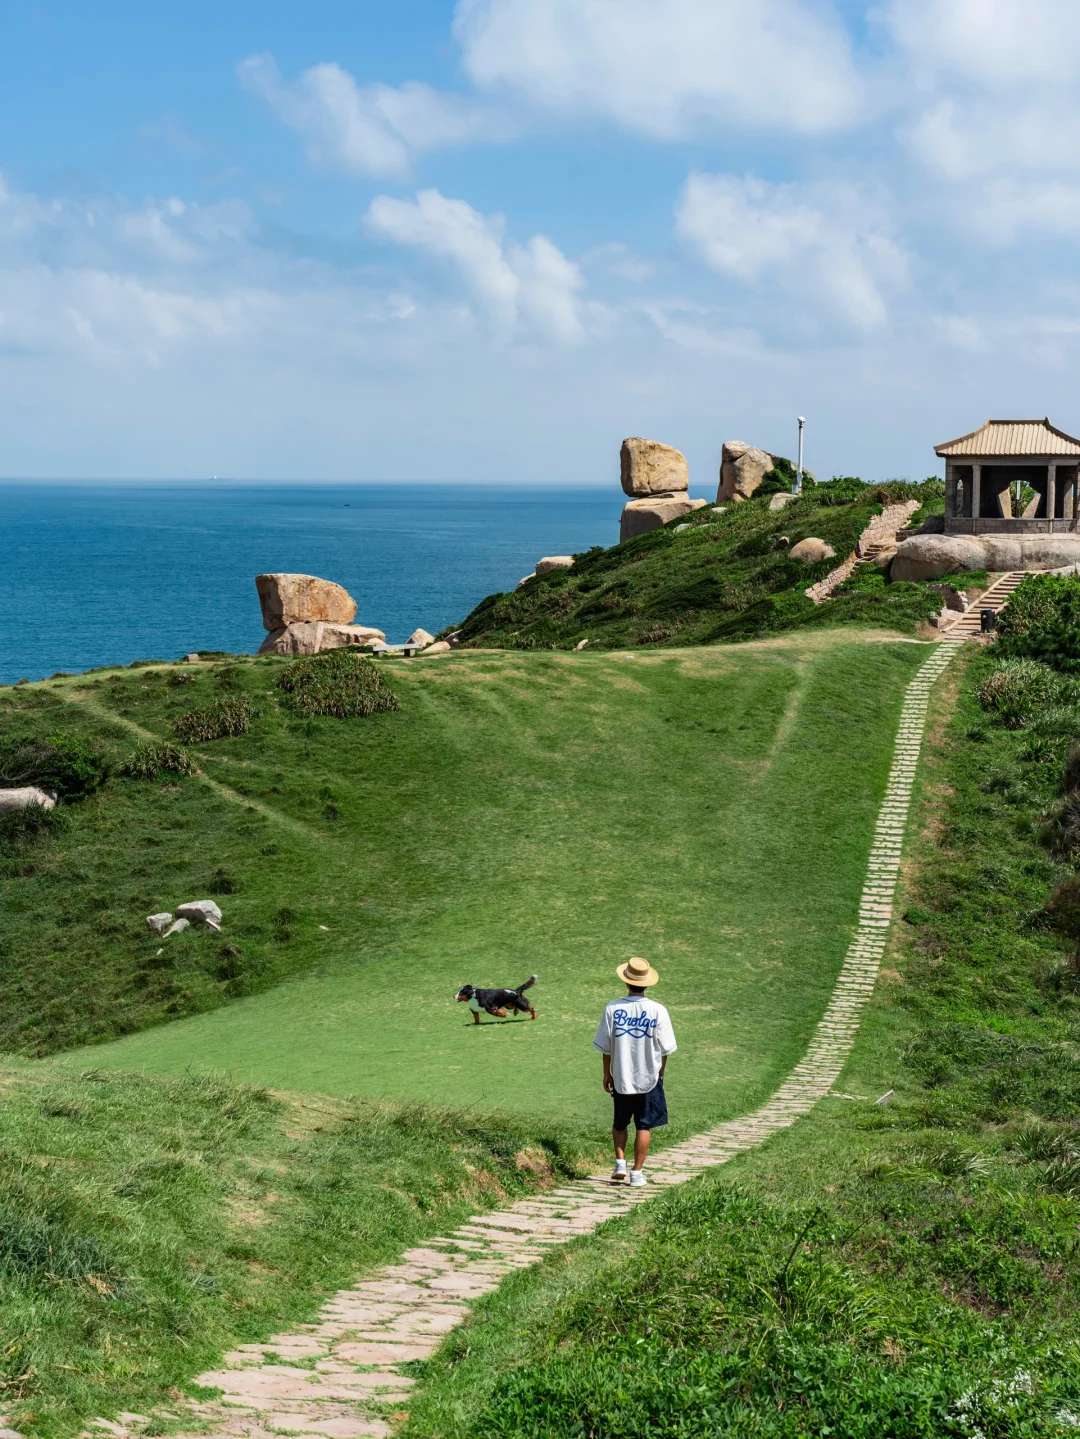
[648, 468]
[311, 637]
[928, 557]
[554, 562]
[289, 599]
[12, 799]
[418, 638]
[742, 469]
[641, 516]
[811, 550]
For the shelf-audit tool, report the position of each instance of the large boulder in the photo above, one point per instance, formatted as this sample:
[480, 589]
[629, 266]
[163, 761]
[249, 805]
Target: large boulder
[742, 469]
[287, 599]
[811, 550]
[11, 799]
[312, 637]
[641, 516]
[648, 468]
[419, 638]
[928, 557]
[554, 562]
[200, 911]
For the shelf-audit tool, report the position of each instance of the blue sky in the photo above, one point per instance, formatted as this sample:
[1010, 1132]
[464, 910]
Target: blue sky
[487, 240]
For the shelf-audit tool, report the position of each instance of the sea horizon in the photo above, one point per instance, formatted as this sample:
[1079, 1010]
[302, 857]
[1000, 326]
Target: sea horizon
[107, 572]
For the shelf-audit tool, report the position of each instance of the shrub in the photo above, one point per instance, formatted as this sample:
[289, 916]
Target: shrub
[21, 827]
[223, 719]
[339, 683]
[60, 765]
[150, 760]
[1042, 622]
[1020, 687]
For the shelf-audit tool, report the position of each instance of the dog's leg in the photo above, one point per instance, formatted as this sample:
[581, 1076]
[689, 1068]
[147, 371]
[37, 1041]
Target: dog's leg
[532, 1012]
[476, 1016]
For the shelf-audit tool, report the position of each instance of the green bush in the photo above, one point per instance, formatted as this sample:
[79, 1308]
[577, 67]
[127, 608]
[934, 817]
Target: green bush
[61, 765]
[1019, 688]
[223, 719]
[151, 760]
[1042, 622]
[21, 827]
[339, 683]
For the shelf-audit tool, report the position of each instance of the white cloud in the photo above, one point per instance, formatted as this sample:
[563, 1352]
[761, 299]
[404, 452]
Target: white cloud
[1005, 43]
[533, 284]
[830, 244]
[369, 130]
[667, 68]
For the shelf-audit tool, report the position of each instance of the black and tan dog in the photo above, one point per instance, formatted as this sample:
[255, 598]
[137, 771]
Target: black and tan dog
[497, 1001]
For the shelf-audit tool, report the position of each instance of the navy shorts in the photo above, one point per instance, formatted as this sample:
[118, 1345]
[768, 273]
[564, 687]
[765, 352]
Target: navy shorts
[648, 1111]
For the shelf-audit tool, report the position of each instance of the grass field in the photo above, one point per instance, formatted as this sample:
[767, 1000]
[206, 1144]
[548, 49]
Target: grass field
[908, 1271]
[518, 813]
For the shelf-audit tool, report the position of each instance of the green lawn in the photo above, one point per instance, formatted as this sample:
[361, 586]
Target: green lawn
[710, 809]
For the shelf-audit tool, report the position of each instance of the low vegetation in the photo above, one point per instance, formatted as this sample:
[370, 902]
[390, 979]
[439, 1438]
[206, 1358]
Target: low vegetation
[1042, 622]
[711, 576]
[148, 1225]
[907, 1270]
[151, 760]
[339, 684]
[223, 719]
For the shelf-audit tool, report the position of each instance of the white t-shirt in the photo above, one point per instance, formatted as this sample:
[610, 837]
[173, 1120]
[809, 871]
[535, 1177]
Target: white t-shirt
[637, 1033]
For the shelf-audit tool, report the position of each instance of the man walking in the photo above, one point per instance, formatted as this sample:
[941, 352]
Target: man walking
[635, 1037]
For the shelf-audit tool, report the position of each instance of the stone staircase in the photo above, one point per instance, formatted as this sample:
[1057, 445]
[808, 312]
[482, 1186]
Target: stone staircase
[878, 538]
[995, 598]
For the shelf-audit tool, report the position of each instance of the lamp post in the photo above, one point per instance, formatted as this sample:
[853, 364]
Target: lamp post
[798, 473]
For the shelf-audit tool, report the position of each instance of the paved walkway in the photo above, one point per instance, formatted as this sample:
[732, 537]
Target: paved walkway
[339, 1376]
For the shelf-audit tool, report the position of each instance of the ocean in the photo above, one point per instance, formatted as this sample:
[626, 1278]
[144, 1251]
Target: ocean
[98, 574]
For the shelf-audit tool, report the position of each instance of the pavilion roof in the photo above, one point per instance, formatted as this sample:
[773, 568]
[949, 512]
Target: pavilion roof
[1012, 437]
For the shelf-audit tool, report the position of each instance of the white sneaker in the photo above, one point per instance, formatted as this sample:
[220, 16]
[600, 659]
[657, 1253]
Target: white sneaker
[637, 1178]
[618, 1174]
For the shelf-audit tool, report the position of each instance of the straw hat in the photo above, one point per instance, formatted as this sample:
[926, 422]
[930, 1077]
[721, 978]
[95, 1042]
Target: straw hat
[638, 972]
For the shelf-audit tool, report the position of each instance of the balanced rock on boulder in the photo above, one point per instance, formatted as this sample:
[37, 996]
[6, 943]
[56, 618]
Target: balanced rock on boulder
[286, 599]
[649, 468]
[742, 469]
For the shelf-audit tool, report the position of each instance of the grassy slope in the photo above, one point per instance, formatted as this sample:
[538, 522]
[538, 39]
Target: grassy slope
[519, 813]
[908, 1271]
[724, 577]
[146, 1225]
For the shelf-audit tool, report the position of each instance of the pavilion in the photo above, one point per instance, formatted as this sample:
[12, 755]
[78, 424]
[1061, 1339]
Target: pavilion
[1011, 477]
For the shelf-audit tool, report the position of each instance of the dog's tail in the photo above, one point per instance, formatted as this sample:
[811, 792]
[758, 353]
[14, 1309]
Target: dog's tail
[527, 985]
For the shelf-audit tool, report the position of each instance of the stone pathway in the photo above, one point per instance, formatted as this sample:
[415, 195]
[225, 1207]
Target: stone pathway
[341, 1377]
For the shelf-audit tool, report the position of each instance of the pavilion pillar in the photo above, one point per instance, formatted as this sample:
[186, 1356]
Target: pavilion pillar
[1051, 495]
[950, 490]
[976, 492]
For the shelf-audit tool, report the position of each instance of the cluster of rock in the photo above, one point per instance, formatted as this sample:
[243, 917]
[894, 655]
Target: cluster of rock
[202, 912]
[657, 478]
[742, 469]
[305, 615]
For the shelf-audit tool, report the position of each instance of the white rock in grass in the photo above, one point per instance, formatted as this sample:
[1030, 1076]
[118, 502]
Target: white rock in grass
[159, 923]
[525, 580]
[200, 911]
[441, 647]
[554, 562]
[177, 927]
[11, 799]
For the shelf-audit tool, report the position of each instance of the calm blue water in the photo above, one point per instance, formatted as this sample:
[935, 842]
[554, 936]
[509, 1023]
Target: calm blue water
[105, 574]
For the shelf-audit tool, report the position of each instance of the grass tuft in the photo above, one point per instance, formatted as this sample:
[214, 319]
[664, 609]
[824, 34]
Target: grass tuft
[338, 684]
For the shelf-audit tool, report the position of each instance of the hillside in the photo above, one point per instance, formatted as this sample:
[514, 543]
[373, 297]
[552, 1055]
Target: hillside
[711, 577]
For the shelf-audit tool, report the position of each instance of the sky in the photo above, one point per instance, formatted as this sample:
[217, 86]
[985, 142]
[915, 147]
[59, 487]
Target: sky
[485, 241]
